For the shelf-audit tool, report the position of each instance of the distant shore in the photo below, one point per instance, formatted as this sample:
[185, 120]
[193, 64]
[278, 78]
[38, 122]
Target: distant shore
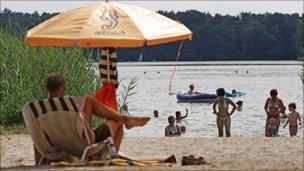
[221, 153]
[208, 63]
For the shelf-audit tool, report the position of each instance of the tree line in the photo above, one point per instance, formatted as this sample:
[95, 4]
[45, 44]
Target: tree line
[247, 36]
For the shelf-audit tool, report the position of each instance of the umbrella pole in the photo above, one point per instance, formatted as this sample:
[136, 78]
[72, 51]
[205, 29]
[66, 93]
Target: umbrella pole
[174, 69]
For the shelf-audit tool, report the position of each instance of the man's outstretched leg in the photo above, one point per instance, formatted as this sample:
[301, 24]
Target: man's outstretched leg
[94, 107]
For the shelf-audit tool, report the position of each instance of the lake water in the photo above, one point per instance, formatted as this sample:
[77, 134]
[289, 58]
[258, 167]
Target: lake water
[152, 93]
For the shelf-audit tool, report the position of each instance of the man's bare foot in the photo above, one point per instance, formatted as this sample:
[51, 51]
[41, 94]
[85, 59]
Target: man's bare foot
[136, 121]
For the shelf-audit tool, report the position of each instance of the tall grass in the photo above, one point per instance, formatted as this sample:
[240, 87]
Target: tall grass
[24, 71]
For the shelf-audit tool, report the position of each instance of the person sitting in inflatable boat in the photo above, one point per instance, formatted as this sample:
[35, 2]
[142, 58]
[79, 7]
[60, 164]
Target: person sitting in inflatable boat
[191, 91]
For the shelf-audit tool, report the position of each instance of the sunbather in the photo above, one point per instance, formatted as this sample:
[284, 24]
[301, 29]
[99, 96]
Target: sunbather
[89, 106]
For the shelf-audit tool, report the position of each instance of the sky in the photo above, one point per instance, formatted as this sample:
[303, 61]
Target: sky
[213, 7]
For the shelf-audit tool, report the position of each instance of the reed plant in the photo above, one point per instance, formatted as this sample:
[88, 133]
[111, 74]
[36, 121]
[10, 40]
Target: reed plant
[24, 70]
[126, 91]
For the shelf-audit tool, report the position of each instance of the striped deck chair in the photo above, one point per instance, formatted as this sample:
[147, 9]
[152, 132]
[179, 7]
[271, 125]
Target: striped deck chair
[57, 129]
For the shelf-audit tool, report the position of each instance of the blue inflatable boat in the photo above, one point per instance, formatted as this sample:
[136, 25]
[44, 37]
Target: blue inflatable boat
[199, 97]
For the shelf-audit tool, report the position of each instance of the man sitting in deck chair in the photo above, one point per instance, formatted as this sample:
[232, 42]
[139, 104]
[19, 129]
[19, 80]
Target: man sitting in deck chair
[88, 106]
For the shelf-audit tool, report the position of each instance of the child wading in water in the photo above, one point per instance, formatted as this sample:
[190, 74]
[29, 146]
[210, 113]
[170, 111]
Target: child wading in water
[271, 128]
[223, 115]
[179, 117]
[239, 105]
[292, 120]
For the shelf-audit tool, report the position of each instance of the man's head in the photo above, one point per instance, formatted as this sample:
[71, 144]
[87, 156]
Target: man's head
[171, 120]
[191, 87]
[55, 85]
[155, 112]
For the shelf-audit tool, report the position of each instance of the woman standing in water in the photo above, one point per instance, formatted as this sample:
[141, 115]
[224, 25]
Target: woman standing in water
[223, 115]
[273, 107]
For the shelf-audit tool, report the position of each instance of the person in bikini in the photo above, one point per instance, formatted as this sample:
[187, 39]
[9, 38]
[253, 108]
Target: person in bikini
[292, 120]
[273, 107]
[172, 130]
[89, 106]
[222, 113]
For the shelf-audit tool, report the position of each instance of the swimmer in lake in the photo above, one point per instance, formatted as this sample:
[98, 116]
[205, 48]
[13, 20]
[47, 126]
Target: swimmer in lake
[233, 92]
[179, 117]
[183, 129]
[292, 120]
[172, 130]
[155, 113]
[239, 106]
[191, 91]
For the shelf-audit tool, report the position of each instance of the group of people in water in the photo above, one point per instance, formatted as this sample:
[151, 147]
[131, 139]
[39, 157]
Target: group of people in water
[274, 106]
[274, 109]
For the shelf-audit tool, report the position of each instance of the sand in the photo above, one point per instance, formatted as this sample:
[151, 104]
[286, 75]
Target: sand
[280, 153]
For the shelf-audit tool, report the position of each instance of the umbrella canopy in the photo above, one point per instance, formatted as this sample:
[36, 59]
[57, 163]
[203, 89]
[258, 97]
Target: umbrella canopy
[107, 25]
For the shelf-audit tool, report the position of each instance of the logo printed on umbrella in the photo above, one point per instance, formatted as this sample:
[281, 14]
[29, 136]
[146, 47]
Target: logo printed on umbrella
[110, 17]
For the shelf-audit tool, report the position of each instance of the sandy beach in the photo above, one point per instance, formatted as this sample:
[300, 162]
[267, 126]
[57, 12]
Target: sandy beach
[221, 153]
